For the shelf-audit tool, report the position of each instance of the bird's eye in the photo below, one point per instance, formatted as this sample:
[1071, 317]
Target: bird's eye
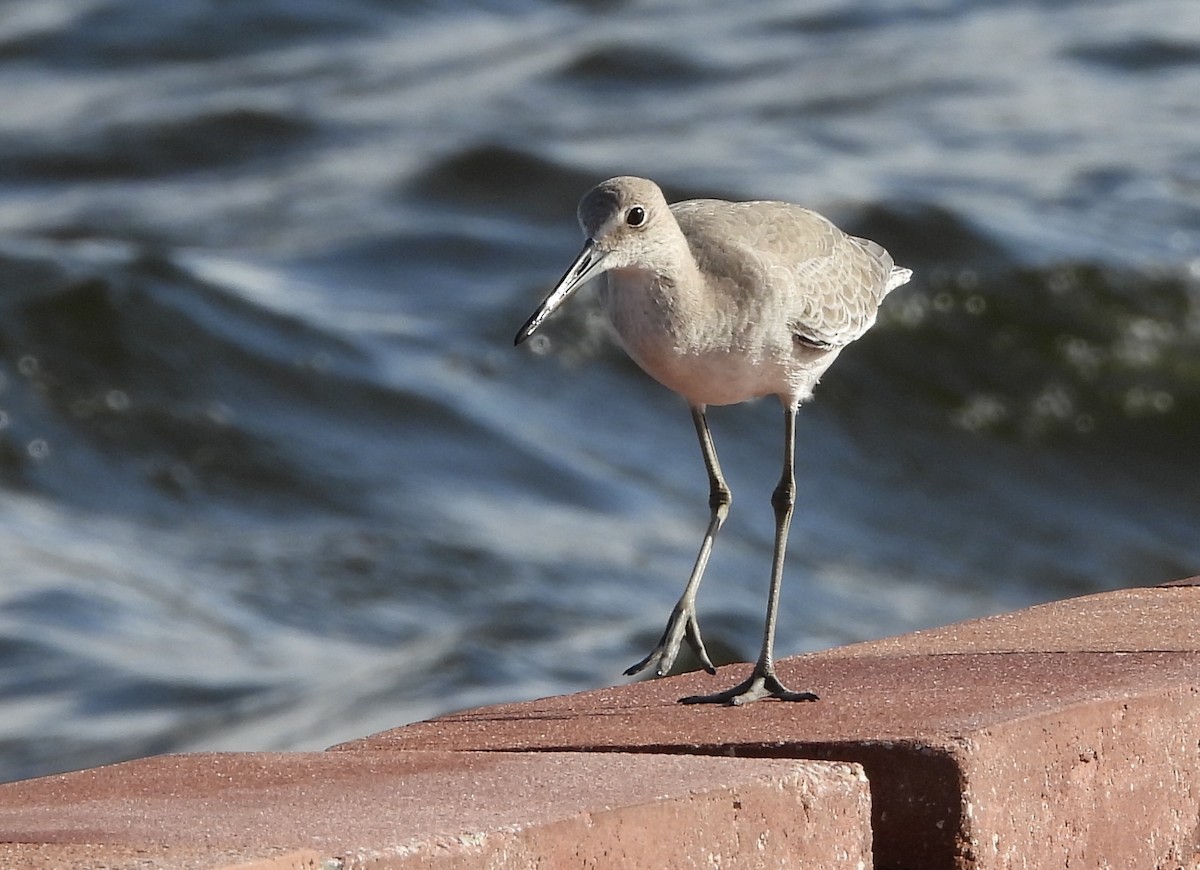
[636, 216]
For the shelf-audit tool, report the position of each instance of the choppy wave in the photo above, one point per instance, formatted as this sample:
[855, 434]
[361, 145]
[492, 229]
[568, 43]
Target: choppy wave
[122, 368]
[1054, 352]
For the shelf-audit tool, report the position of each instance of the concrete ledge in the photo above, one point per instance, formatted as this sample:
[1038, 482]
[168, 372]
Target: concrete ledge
[1062, 735]
[1065, 735]
[439, 810]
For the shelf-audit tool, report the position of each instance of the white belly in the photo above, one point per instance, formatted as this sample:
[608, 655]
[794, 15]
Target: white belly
[708, 358]
[721, 372]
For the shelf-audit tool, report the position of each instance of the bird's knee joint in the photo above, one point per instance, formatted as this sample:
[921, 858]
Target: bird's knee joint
[784, 497]
[720, 498]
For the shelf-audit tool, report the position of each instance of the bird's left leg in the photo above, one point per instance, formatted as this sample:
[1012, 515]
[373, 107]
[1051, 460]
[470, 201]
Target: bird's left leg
[763, 683]
[683, 622]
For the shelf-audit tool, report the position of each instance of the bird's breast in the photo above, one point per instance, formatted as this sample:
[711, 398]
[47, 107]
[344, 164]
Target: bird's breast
[699, 352]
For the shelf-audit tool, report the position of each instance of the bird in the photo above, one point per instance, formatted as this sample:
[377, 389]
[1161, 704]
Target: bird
[725, 302]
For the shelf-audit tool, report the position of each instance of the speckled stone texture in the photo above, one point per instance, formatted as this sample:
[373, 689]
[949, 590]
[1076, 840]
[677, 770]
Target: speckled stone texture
[399, 809]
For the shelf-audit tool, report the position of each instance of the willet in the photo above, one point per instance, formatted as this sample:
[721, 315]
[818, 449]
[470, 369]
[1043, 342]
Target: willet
[724, 302]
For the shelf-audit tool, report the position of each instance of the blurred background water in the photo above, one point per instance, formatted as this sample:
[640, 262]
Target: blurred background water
[272, 475]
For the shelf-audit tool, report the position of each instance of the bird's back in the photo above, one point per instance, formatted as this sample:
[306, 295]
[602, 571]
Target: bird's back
[780, 260]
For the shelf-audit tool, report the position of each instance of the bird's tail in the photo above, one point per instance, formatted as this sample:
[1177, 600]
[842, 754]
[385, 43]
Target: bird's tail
[897, 277]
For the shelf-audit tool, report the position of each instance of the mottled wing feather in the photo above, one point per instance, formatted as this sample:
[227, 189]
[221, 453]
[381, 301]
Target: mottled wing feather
[829, 284]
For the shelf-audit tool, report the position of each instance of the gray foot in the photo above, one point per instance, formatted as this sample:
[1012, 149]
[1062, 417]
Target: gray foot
[682, 624]
[761, 684]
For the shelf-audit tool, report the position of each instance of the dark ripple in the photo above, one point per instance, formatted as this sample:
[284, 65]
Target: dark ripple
[133, 34]
[62, 608]
[149, 694]
[32, 668]
[1141, 55]
[853, 18]
[418, 259]
[620, 66]
[495, 177]
[863, 101]
[146, 150]
[925, 233]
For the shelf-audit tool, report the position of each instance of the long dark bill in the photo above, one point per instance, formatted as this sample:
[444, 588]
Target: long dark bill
[587, 266]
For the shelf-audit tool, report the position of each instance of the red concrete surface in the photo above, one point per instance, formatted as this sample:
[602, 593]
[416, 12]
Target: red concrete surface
[1066, 735]
[1158, 618]
[343, 810]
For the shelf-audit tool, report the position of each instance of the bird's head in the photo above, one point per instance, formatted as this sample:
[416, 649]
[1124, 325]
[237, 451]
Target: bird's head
[623, 221]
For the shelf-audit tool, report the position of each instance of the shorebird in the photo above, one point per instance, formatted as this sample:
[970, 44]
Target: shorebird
[724, 302]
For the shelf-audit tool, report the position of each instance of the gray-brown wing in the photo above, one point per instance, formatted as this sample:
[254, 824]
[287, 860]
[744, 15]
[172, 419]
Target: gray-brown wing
[826, 283]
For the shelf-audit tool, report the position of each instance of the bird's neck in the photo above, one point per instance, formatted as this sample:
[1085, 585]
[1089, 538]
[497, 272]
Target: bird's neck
[653, 306]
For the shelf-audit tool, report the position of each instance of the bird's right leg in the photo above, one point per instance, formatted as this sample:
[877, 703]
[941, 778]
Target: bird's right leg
[683, 622]
[762, 682]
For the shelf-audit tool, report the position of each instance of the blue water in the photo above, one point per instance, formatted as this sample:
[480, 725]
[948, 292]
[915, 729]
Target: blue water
[272, 475]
